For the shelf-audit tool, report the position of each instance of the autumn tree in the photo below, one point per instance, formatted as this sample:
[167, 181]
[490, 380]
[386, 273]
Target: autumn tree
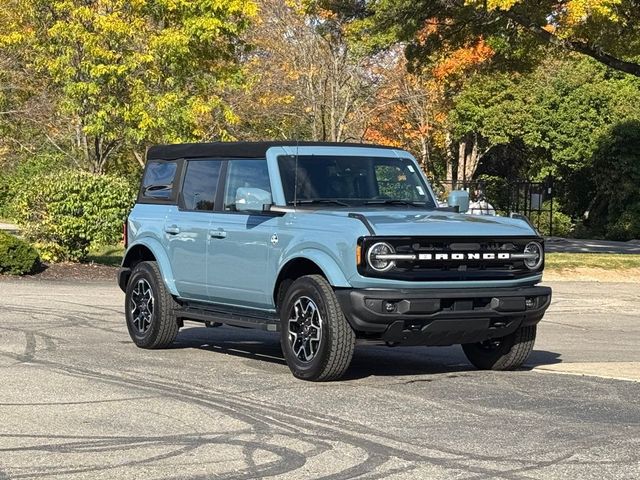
[306, 80]
[125, 74]
[605, 30]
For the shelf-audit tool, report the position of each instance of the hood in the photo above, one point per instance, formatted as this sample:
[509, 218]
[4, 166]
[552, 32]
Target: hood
[440, 223]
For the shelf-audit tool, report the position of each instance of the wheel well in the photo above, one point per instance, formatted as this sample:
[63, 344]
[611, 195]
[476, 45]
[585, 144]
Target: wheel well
[134, 256]
[296, 268]
[137, 254]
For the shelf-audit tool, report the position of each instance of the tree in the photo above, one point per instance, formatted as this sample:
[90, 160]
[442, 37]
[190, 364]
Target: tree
[557, 116]
[125, 73]
[306, 79]
[605, 30]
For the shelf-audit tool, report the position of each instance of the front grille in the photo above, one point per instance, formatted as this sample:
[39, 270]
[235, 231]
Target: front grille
[433, 268]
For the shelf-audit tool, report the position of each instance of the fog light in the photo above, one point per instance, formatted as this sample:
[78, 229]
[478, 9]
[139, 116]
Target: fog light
[390, 307]
[530, 302]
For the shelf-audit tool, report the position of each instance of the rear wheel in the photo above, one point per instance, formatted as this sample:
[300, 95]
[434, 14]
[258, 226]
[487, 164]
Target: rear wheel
[149, 308]
[505, 353]
[317, 341]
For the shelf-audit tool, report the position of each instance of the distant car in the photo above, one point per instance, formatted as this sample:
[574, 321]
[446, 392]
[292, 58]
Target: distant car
[327, 244]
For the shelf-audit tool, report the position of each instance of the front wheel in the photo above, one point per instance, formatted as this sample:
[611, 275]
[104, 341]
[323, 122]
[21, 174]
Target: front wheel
[149, 308]
[505, 353]
[317, 341]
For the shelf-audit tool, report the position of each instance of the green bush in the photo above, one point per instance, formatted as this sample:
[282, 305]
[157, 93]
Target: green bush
[562, 224]
[12, 180]
[66, 212]
[627, 226]
[17, 257]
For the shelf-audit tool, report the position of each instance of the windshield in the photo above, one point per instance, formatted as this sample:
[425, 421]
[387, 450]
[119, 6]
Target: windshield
[353, 181]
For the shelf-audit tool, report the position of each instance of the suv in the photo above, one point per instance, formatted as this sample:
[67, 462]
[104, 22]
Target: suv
[327, 244]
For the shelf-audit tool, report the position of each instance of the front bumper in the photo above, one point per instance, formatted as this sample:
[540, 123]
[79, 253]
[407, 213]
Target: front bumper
[442, 316]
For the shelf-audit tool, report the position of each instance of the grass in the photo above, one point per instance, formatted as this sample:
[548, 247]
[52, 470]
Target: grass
[606, 261]
[110, 255]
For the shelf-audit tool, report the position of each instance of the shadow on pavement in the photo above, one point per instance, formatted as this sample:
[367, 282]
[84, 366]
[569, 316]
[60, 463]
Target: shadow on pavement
[542, 357]
[368, 360]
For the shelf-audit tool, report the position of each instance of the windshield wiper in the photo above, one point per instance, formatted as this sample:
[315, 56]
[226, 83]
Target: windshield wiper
[310, 201]
[395, 202]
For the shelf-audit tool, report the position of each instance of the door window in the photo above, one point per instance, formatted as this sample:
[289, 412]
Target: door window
[247, 174]
[200, 184]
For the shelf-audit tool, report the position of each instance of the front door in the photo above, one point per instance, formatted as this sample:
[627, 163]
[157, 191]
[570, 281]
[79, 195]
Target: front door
[187, 227]
[240, 244]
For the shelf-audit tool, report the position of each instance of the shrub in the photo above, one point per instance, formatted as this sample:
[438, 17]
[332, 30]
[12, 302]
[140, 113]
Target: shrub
[627, 227]
[17, 257]
[68, 211]
[562, 224]
[12, 180]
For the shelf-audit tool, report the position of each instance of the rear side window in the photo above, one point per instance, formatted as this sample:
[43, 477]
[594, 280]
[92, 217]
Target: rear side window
[245, 173]
[158, 181]
[200, 184]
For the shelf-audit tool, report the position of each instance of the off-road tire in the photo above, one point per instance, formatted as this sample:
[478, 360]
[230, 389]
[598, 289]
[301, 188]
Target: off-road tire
[510, 354]
[164, 327]
[337, 342]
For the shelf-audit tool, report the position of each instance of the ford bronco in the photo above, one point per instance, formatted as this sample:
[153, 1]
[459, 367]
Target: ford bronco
[327, 244]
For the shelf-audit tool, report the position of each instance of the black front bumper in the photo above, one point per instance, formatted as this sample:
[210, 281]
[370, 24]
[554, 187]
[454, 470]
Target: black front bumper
[444, 316]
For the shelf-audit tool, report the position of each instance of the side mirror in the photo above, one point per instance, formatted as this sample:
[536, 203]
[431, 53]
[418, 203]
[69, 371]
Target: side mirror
[252, 200]
[460, 199]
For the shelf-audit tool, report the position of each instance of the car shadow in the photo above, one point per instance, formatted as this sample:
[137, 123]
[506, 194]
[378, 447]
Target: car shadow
[369, 360]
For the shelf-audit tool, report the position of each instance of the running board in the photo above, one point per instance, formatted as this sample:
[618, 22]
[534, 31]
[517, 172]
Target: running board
[236, 317]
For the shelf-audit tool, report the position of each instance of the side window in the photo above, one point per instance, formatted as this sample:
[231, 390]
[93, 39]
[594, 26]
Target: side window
[158, 181]
[245, 173]
[200, 184]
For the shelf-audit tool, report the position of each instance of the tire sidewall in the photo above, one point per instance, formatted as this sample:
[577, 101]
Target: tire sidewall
[309, 288]
[144, 271]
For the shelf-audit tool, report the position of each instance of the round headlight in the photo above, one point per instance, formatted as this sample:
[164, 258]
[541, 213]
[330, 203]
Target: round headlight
[536, 249]
[380, 264]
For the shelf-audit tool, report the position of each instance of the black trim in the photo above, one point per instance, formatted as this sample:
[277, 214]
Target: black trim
[237, 149]
[364, 220]
[123, 278]
[442, 316]
[234, 316]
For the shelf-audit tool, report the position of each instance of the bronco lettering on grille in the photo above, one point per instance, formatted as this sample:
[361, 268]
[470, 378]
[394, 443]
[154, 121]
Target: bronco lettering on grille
[464, 256]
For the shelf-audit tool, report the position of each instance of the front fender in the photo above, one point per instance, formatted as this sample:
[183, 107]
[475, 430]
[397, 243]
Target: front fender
[159, 253]
[326, 262]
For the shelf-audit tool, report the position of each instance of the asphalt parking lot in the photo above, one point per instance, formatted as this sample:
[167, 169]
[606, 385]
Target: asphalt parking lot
[79, 400]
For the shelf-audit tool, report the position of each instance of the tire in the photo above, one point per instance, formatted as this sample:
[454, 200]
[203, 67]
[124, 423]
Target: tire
[506, 353]
[154, 326]
[330, 338]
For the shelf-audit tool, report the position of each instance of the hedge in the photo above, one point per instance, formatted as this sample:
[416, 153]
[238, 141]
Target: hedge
[67, 212]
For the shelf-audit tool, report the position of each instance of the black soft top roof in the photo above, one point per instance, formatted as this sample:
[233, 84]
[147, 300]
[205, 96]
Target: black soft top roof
[235, 149]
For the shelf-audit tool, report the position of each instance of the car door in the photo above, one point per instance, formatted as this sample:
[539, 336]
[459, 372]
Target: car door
[187, 227]
[241, 242]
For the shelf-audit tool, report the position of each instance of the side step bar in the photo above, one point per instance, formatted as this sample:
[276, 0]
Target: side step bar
[245, 318]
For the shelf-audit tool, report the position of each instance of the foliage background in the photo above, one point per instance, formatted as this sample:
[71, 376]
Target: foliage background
[503, 89]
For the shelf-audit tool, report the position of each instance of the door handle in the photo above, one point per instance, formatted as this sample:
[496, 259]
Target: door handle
[220, 233]
[172, 229]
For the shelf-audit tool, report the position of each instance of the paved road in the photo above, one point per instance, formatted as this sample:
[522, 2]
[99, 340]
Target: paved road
[574, 245]
[78, 400]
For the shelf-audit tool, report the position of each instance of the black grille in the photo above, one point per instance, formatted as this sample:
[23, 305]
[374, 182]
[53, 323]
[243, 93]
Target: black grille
[451, 269]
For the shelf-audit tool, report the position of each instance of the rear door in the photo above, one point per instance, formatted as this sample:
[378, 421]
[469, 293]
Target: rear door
[187, 227]
[240, 242]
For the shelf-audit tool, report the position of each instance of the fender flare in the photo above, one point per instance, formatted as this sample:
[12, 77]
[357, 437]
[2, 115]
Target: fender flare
[161, 257]
[329, 266]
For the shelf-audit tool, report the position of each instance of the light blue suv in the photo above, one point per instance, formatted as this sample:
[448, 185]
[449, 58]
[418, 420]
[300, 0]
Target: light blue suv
[327, 244]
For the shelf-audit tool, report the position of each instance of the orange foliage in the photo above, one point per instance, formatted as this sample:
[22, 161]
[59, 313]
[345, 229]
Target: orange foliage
[462, 59]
